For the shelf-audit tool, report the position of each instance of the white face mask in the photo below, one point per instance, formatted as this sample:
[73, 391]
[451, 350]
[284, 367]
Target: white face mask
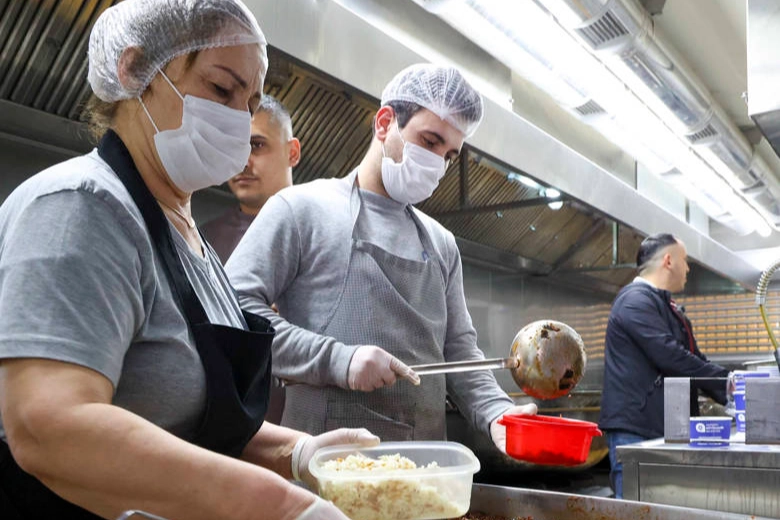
[210, 146]
[414, 178]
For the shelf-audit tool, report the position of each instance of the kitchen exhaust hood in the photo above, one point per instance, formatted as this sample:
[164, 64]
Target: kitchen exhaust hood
[322, 34]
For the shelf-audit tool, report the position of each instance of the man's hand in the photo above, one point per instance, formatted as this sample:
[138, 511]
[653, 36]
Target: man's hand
[306, 447]
[498, 431]
[372, 367]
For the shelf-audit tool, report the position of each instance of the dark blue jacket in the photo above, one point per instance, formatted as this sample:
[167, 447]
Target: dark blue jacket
[647, 341]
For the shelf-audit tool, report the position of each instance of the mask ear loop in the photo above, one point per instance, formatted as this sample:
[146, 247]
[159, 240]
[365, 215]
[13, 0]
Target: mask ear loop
[384, 155]
[168, 80]
[156, 130]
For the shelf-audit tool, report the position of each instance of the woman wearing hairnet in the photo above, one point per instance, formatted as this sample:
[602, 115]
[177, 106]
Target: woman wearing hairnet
[129, 377]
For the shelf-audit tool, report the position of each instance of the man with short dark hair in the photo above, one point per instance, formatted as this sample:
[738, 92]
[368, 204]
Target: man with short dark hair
[649, 338]
[367, 284]
[275, 151]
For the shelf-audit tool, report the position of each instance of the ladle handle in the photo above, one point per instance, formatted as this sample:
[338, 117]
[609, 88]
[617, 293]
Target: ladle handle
[465, 366]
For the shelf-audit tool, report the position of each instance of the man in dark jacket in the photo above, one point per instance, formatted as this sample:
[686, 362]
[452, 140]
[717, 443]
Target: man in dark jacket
[649, 338]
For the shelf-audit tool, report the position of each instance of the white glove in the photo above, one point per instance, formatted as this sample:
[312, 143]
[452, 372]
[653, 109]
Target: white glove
[322, 510]
[306, 447]
[372, 367]
[498, 431]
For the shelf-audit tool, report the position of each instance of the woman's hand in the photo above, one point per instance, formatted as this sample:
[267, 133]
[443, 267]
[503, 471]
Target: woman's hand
[306, 447]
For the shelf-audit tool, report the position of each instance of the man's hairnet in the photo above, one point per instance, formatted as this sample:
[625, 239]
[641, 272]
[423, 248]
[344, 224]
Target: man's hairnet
[162, 30]
[442, 90]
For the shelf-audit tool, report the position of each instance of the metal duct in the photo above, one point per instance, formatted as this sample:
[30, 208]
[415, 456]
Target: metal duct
[621, 33]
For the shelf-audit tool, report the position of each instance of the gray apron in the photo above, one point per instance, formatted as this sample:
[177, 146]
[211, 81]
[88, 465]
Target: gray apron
[396, 304]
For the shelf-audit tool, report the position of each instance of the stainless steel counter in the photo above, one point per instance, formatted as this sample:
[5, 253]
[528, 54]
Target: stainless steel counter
[546, 505]
[738, 478]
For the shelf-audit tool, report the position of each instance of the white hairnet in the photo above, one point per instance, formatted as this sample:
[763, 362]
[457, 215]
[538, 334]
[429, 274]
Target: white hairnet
[163, 30]
[442, 90]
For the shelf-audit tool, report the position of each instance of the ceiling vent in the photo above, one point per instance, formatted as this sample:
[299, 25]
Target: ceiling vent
[603, 30]
[590, 108]
[706, 133]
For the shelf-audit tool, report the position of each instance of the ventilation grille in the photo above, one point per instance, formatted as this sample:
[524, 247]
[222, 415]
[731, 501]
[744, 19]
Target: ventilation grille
[43, 53]
[603, 30]
[589, 108]
[705, 133]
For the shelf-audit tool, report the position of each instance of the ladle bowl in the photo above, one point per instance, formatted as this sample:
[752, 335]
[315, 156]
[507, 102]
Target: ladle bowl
[550, 359]
[547, 360]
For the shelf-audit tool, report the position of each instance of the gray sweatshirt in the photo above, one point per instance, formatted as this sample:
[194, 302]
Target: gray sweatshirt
[296, 253]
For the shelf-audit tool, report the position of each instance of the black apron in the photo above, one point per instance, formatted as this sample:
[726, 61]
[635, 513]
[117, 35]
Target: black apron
[237, 364]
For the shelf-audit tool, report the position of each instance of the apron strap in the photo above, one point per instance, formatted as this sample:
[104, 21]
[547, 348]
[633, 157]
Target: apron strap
[112, 150]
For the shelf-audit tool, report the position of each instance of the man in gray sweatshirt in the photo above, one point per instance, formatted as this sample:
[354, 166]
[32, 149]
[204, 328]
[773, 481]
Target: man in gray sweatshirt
[367, 285]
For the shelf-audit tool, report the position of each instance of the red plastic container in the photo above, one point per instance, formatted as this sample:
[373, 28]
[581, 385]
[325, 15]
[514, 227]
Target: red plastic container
[552, 441]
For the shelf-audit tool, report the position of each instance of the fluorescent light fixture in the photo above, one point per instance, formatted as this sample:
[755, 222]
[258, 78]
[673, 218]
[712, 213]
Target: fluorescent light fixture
[561, 10]
[527, 181]
[555, 206]
[719, 166]
[764, 230]
[552, 193]
[513, 177]
[469, 18]
[522, 179]
[628, 140]
[499, 93]
[709, 205]
[649, 97]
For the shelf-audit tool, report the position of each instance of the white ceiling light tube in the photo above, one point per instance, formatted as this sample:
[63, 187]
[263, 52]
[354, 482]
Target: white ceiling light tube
[522, 179]
[626, 139]
[511, 51]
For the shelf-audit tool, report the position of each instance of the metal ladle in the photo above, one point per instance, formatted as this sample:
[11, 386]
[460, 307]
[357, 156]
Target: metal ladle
[547, 360]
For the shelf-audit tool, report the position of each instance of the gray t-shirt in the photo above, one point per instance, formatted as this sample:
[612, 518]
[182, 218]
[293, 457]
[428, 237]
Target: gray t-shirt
[296, 253]
[80, 282]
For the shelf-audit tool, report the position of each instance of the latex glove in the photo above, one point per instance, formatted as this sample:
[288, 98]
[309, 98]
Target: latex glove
[498, 431]
[306, 447]
[372, 367]
[322, 510]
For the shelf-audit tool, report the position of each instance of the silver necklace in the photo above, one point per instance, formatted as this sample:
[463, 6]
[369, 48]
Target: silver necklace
[189, 221]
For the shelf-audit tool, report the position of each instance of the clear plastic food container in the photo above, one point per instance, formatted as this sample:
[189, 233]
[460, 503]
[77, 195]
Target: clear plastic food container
[397, 480]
